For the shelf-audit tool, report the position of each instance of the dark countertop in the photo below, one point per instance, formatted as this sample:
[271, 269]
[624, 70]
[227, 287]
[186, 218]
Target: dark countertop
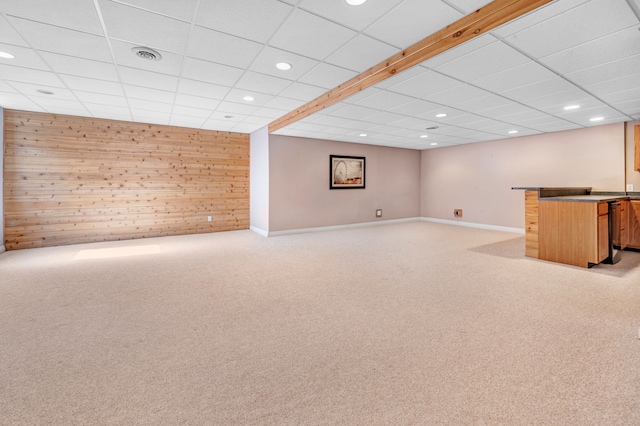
[582, 194]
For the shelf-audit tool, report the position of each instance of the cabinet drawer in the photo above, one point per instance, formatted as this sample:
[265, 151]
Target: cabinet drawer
[603, 208]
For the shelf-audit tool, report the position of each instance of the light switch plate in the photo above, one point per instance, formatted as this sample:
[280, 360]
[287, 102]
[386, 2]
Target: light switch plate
[629, 187]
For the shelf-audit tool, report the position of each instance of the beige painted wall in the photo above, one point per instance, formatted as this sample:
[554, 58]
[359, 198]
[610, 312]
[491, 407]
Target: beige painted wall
[300, 197]
[633, 177]
[478, 177]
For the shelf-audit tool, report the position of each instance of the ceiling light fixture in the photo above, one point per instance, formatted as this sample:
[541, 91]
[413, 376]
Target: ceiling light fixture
[146, 53]
[363, 135]
[45, 92]
[6, 55]
[434, 143]
[424, 136]
[249, 98]
[356, 2]
[513, 132]
[570, 107]
[441, 115]
[283, 66]
[597, 119]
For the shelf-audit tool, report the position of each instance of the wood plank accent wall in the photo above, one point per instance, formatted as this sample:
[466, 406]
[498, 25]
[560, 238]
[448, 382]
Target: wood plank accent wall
[75, 180]
[636, 148]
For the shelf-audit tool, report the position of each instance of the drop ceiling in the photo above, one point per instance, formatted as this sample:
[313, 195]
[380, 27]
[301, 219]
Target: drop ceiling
[516, 78]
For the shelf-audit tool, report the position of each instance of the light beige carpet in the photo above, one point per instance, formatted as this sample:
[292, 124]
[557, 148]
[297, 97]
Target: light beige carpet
[409, 324]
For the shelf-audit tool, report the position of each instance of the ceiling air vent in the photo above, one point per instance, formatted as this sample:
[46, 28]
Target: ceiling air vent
[147, 53]
[431, 128]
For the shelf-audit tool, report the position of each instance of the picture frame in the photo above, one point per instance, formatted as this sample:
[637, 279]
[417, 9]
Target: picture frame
[347, 172]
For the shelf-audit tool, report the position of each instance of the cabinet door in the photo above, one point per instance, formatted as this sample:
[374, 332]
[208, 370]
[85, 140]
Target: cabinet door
[624, 224]
[634, 224]
[603, 237]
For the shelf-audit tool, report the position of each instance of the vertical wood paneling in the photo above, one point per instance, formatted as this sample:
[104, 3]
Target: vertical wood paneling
[74, 180]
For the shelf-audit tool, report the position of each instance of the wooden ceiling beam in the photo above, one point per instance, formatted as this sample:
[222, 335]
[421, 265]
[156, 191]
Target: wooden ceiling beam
[479, 22]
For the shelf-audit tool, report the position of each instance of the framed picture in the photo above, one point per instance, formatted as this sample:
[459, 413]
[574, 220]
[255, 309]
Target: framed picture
[346, 172]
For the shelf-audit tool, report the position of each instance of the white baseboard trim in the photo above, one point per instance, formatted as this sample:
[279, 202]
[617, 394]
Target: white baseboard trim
[341, 227]
[259, 231]
[474, 225]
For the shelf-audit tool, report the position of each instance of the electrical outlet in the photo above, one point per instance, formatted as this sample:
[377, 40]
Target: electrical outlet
[379, 213]
[208, 218]
[629, 187]
[457, 212]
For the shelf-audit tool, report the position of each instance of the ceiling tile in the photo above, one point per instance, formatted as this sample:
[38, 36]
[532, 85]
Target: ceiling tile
[78, 15]
[170, 63]
[205, 90]
[27, 75]
[416, 107]
[460, 50]
[468, 6]
[29, 89]
[196, 102]
[384, 100]
[209, 72]
[303, 92]
[60, 40]
[310, 35]
[605, 88]
[265, 63]
[24, 57]
[179, 110]
[152, 117]
[574, 27]
[545, 88]
[141, 27]
[283, 103]
[139, 104]
[237, 108]
[357, 18]
[255, 20]
[458, 94]
[183, 9]
[483, 62]
[361, 53]
[541, 14]
[215, 46]
[145, 93]
[262, 83]
[383, 117]
[613, 47]
[18, 101]
[102, 110]
[512, 78]
[354, 112]
[148, 79]
[425, 84]
[327, 76]
[186, 121]
[411, 21]
[71, 65]
[82, 84]
[605, 72]
[8, 35]
[238, 95]
[102, 99]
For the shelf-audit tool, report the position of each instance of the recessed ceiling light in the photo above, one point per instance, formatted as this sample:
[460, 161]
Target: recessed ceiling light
[6, 55]
[363, 134]
[249, 98]
[513, 132]
[356, 2]
[424, 136]
[45, 92]
[597, 119]
[284, 66]
[228, 116]
[146, 53]
[434, 143]
[570, 107]
[441, 115]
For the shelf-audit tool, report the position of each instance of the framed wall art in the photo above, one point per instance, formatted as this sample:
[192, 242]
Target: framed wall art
[347, 172]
